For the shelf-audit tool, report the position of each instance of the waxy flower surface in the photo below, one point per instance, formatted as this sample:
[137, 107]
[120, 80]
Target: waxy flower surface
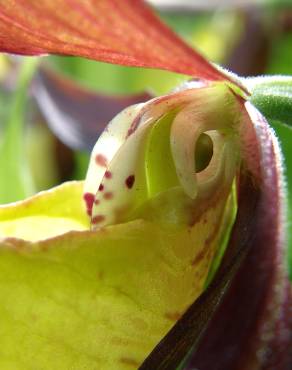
[172, 249]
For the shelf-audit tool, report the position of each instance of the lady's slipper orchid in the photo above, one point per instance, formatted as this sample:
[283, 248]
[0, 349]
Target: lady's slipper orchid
[96, 274]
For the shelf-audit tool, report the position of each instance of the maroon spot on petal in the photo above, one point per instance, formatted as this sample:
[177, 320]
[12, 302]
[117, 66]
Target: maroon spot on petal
[43, 247]
[108, 174]
[101, 160]
[97, 201]
[202, 254]
[97, 219]
[101, 187]
[131, 131]
[121, 212]
[130, 181]
[100, 275]
[134, 126]
[89, 199]
[108, 195]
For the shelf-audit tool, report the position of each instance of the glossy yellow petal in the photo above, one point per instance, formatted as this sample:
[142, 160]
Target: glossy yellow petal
[46, 214]
[97, 299]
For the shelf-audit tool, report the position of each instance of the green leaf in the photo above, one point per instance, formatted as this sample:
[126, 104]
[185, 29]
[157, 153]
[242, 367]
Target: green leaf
[16, 181]
[284, 134]
[272, 96]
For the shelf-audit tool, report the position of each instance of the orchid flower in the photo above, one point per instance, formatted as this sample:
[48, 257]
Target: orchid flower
[171, 253]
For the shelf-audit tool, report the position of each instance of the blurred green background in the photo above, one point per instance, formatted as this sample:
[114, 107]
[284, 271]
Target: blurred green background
[250, 38]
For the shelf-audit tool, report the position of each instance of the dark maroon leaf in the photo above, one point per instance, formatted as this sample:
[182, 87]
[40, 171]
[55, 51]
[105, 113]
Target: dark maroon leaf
[76, 115]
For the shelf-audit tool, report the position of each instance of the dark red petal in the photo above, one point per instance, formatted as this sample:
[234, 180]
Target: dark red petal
[122, 32]
[76, 115]
[252, 326]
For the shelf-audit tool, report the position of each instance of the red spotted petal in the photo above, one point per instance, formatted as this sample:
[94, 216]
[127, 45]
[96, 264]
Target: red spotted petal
[122, 32]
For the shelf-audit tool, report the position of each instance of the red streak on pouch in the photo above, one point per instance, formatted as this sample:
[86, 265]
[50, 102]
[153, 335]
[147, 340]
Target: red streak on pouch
[97, 219]
[89, 199]
[101, 160]
[130, 181]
